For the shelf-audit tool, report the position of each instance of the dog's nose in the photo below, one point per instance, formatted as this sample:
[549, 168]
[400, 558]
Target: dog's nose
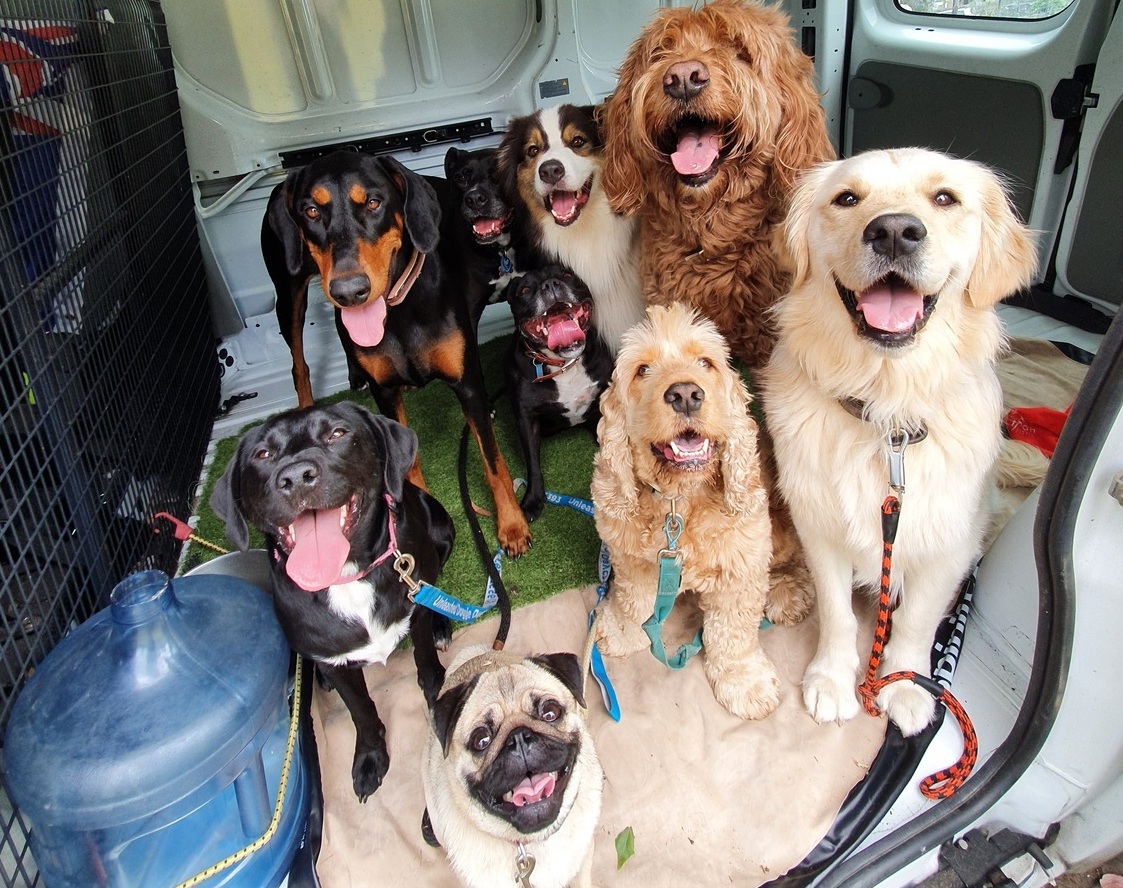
[519, 739]
[894, 234]
[351, 289]
[551, 172]
[684, 80]
[476, 199]
[297, 476]
[684, 397]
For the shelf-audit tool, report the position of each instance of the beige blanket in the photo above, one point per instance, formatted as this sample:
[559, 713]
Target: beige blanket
[712, 800]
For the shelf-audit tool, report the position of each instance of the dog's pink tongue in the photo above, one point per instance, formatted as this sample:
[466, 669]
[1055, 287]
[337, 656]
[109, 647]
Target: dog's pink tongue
[563, 332]
[696, 152]
[487, 227]
[533, 789]
[893, 309]
[366, 323]
[563, 203]
[320, 550]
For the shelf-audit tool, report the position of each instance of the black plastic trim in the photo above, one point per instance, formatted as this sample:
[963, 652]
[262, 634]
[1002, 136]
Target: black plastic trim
[412, 140]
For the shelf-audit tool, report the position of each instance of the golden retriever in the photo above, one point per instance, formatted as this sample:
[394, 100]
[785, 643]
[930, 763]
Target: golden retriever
[675, 429]
[899, 258]
[714, 117]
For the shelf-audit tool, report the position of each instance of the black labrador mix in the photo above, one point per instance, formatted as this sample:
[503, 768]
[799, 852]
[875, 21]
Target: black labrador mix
[557, 367]
[327, 487]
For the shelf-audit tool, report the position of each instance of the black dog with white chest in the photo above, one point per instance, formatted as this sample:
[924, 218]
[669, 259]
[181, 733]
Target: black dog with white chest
[475, 179]
[327, 487]
[557, 366]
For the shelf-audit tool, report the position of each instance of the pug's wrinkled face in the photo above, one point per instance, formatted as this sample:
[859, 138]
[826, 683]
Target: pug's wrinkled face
[512, 737]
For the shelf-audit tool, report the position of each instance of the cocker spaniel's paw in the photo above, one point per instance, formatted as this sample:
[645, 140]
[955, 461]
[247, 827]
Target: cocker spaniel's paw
[830, 695]
[748, 689]
[618, 636]
[909, 706]
[790, 594]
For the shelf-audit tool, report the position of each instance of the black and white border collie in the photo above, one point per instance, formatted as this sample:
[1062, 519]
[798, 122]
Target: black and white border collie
[550, 168]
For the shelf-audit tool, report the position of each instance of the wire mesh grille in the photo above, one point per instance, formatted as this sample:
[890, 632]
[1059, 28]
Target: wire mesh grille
[108, 378]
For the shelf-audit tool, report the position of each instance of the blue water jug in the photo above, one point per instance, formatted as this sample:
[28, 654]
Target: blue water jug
[150, 743]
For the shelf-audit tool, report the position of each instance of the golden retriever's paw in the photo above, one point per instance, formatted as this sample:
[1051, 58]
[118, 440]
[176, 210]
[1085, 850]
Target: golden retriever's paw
[909, 706]
[790, 594]
[829, 696]
[617, 636]
[748, 690]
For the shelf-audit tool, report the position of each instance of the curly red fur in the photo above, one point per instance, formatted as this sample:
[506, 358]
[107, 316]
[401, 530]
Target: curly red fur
[709, 245]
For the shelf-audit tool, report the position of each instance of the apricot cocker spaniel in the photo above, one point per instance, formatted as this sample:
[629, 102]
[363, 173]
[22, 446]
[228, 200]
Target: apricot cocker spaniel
[676, 436]
[714, 117]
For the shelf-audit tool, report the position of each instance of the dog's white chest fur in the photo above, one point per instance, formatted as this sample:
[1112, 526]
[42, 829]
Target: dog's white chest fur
[352, 602]
[601, 247]
[576, 391]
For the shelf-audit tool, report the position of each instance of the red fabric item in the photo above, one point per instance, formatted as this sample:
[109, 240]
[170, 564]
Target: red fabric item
[1039, 426]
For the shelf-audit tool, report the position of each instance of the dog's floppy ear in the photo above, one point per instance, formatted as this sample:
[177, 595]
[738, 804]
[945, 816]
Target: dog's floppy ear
[227, 494]
[423, 211]
[793, 243]
[740, 464]
[399, 447]
[278, 216]
[1007, 259]
[802, 139]
[507, 162]
[614, 487]
[446, 711]
[623, 179]
[454, 160]
[566, 668]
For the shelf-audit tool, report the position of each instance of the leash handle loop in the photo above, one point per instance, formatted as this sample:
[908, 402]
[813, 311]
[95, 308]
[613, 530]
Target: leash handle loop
[945, 782]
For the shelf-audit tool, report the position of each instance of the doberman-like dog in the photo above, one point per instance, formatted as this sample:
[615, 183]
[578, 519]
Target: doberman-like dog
[396, 260]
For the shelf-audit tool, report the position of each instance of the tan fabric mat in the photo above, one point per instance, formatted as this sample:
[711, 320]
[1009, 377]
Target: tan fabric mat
[711, 799]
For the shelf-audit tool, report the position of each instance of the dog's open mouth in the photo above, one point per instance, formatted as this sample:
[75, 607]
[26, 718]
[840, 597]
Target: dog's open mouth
[695, 150]
[488, 230]
[562, 329]
[686, 452]
[533, 803]
[566, 206]
[891, 312]
[318, 544]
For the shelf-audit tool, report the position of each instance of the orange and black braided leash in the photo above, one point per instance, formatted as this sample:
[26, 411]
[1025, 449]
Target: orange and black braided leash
[944, 782]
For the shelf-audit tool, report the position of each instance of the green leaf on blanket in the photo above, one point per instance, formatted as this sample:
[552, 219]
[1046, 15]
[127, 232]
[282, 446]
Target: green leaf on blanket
[625, 846]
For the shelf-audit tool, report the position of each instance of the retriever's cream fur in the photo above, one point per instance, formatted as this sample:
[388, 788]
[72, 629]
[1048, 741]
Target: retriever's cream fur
[725, 540]
[709, 244]
[832, 464]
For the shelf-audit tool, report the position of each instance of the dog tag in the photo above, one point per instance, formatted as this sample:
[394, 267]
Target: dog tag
[524, 863]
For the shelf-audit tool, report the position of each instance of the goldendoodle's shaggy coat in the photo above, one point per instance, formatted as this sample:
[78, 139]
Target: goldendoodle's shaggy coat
[714, 117]
[676, 429]
[890, 327]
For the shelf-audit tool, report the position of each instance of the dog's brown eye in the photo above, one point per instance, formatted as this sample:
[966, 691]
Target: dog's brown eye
[578, 142]
[531, 150]
[705, 363]
[373, 204]
[846, 199]
[480, 739]
[549, 710]
[312, 212]
[336, 434]
[642, 370]
[944, 199]
[263, 453]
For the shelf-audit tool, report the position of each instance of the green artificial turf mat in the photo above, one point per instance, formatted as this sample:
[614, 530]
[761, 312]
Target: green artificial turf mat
[566, 547]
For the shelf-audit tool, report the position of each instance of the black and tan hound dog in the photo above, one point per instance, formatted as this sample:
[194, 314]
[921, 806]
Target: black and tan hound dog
[396, 260]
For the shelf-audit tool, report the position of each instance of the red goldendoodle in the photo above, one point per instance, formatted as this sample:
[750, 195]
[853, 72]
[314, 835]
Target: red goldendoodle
[714, 118]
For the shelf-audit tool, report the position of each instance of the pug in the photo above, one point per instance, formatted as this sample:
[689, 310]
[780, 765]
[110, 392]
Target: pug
[512, 781]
